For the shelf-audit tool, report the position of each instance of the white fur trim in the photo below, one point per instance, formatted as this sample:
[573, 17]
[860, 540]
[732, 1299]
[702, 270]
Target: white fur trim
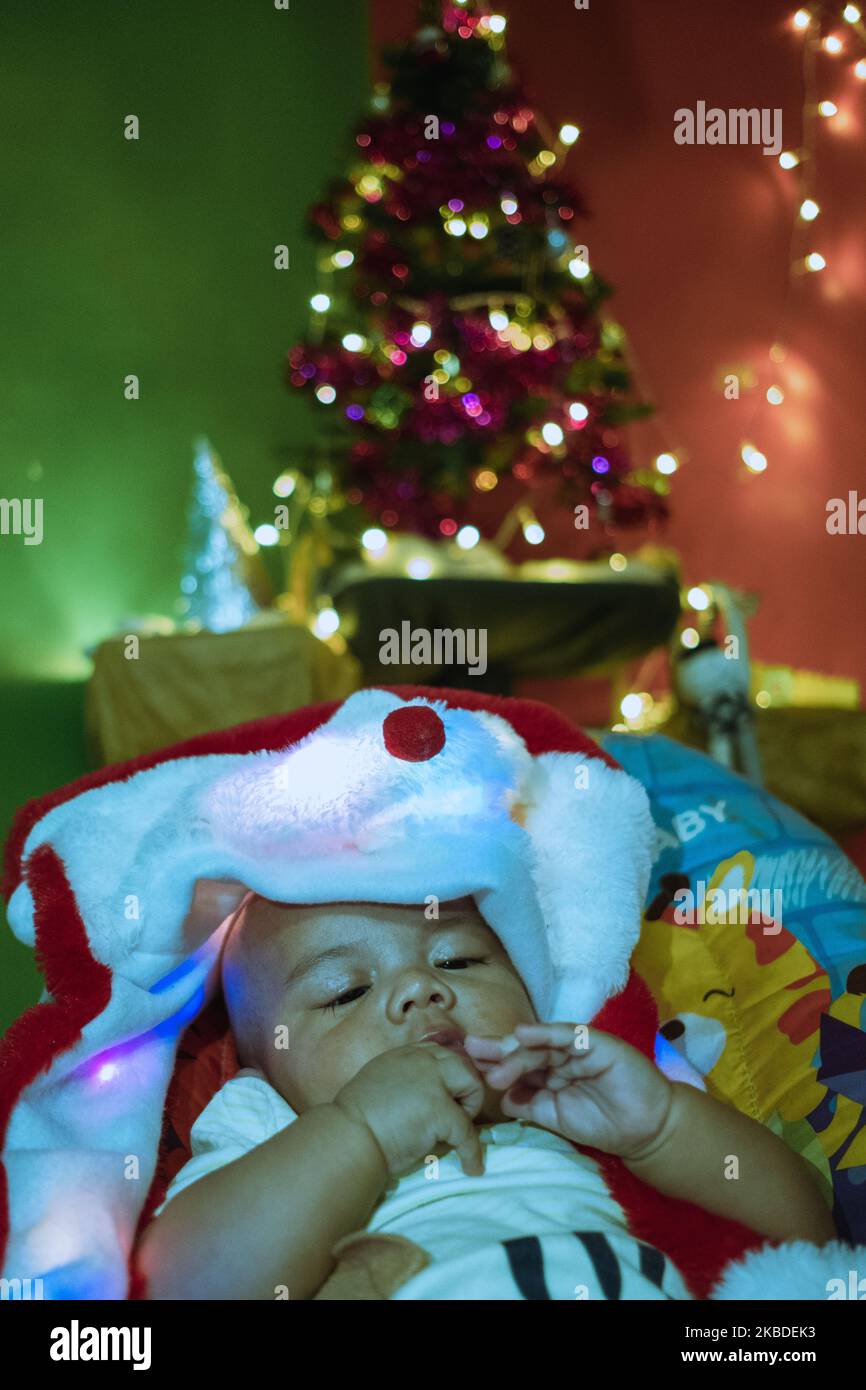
[592, 838]
[795, 1270]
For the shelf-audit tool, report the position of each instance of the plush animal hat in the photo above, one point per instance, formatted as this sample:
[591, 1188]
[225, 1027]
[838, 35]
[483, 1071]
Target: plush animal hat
[392, 796]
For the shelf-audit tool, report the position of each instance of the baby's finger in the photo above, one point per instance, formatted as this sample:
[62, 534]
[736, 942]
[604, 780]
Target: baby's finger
[575, 1037]
[461, 1078]
[493, 1049]
[555, 1081]
[466, 1141]
[531, 1082]
[483, 1067]
[489, 1049]
[520, 1063]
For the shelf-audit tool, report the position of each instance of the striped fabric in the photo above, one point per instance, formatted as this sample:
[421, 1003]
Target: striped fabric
[567, 1266]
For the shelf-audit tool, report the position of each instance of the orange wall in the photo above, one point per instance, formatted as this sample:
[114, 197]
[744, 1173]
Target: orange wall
[695, 240]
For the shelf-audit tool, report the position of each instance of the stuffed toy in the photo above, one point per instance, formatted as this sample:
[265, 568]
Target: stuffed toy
[704, 979]
[390, 796]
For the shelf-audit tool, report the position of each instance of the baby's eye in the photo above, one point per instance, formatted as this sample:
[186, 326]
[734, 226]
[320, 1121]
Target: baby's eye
[345, 998]
[460, 962]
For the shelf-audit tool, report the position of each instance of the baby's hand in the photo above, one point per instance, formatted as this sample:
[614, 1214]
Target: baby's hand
[418, 1100]
[587, 1085]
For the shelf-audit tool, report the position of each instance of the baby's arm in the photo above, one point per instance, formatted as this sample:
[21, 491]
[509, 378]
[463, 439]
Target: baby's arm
[269, 1218]
[595, 1088]
[775, 1192]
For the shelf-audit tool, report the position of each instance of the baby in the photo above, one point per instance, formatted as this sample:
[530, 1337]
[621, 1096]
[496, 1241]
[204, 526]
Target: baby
[395, 1078]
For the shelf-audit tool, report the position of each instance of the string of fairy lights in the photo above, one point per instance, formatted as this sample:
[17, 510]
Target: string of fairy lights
[817, 26]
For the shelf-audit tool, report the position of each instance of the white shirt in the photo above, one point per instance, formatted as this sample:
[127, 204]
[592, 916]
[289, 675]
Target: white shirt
[535, 1183]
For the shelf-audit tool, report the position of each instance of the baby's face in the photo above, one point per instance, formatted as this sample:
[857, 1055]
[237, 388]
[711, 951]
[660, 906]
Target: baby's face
[349, 981]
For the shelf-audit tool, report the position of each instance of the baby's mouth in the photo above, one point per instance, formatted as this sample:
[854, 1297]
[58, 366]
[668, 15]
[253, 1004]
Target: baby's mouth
[447, 1037]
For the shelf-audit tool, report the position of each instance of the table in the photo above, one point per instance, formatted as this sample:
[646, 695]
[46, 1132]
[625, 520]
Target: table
[533, 627]
[193, 683]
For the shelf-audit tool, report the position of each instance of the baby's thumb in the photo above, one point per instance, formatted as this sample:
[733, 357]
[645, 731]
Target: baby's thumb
[471, 1153]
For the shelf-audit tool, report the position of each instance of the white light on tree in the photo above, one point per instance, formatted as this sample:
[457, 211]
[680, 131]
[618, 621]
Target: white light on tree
[534, 532]
[342, 259]
[508, 205]
[788, 159]
[353, 342]
[578, 268]
[497, 23]
[419, 567]
[775, 395]
[689, 637]
[667, 463]
[551, 433]
[828, 108]
[568, 134]
[420, 334]
[374, 539]
[285, 485]
[815, 261]
[578, 411]
[267, 534]
[498, 320]
[467, 537]
[320, 302]
[809, 209]
[327, 622]
[631, 706]
[698, 599]
[326, 394]
[851, 13]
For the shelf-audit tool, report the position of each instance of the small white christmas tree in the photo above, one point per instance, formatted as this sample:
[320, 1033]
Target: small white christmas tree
[220, 550]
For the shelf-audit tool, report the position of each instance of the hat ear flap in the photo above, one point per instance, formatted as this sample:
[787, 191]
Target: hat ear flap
[592, 845]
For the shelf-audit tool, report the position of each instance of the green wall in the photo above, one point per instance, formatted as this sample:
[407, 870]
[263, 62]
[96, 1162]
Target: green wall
[152, 257]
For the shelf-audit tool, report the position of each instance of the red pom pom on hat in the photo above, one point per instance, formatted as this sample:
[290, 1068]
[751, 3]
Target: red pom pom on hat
[414, 733]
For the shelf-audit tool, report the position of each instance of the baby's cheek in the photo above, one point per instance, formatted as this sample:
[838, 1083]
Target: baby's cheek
[322, 1066]
[503, 994]
[307, 1060]
[352, 1051]
[290, 1071]
[492, 1015]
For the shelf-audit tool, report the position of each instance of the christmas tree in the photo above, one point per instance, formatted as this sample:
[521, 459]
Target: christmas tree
[456, 337]
[223, 583]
